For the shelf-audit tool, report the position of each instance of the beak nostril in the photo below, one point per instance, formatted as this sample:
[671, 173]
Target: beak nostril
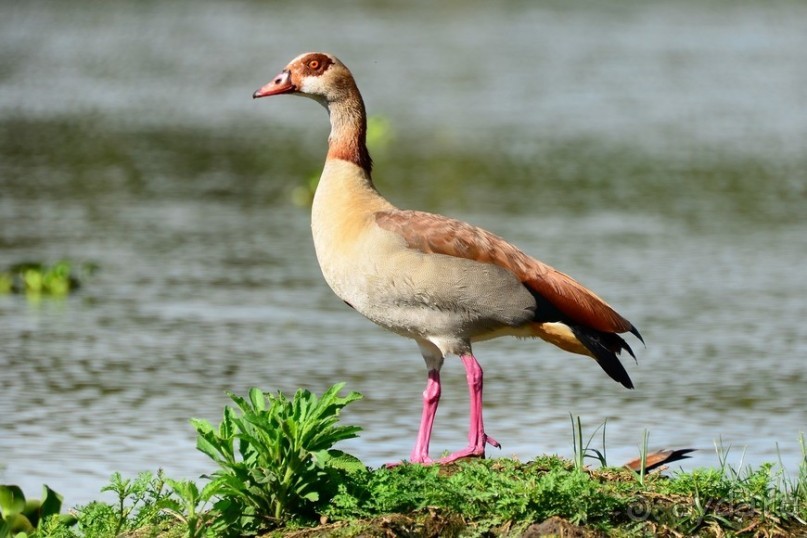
[276, 86]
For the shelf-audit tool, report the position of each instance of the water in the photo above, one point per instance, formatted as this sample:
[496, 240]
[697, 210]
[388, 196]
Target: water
[655, 151]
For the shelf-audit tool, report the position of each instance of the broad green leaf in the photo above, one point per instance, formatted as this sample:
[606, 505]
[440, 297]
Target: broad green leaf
[242, 404]
[201, 425]
[344, 461]
[18, 523]
[31, 510]
[12, 500]
[257, 398]
[51, 503]
[227, 424]
[208, 444]
[208, 492]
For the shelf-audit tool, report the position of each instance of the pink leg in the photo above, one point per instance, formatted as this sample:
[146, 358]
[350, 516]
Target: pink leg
[431, 397]
[477, 439]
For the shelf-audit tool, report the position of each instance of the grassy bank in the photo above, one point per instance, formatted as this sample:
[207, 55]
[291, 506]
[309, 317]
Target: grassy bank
[279, 475]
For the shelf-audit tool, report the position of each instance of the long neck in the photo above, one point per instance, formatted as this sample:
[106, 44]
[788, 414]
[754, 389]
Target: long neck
[348, 138]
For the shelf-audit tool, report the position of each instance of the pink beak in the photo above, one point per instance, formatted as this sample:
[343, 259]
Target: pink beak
[280, 84]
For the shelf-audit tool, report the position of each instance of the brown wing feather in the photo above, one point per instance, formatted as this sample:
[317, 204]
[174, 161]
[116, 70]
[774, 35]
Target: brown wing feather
[435, 234]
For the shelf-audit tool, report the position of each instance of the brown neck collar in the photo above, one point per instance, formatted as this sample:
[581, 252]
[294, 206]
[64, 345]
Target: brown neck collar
[348, 139]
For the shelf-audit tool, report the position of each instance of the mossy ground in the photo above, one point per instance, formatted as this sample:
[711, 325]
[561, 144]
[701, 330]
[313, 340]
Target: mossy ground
[601, 502]
[550, 497]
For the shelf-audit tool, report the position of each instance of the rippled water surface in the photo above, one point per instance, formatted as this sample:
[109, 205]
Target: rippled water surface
[655, 151]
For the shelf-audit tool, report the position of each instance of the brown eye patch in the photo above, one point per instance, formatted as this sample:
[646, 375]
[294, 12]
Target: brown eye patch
[316, 64]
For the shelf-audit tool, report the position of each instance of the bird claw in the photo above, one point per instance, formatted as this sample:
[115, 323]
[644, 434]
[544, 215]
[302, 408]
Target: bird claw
[492, 442]
[476, 451]
[468, 452]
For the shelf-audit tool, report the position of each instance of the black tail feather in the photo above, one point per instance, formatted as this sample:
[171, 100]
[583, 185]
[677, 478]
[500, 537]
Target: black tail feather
[635, 333]
[605, 347]
[626, 347]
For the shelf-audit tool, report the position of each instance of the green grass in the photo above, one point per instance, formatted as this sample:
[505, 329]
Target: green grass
[278, 475]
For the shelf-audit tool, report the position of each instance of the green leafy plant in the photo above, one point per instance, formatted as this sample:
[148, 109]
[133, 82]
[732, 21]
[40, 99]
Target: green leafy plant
[137, 506]
[138, 499]
[188, 505]
[21, 518]
[6, 282]
[275, 456]
[35, 278]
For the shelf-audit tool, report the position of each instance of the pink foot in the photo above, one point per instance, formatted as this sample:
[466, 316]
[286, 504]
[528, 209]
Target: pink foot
[472, 451]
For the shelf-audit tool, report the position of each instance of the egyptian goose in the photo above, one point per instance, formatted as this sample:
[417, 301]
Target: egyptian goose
[442, 282]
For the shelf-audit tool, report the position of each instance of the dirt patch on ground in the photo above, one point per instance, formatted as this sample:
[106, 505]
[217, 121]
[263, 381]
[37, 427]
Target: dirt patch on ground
[555, 526]
[435, 524]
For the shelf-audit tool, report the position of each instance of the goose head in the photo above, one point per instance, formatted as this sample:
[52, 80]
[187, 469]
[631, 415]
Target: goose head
[323, 78]
[317, 75]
